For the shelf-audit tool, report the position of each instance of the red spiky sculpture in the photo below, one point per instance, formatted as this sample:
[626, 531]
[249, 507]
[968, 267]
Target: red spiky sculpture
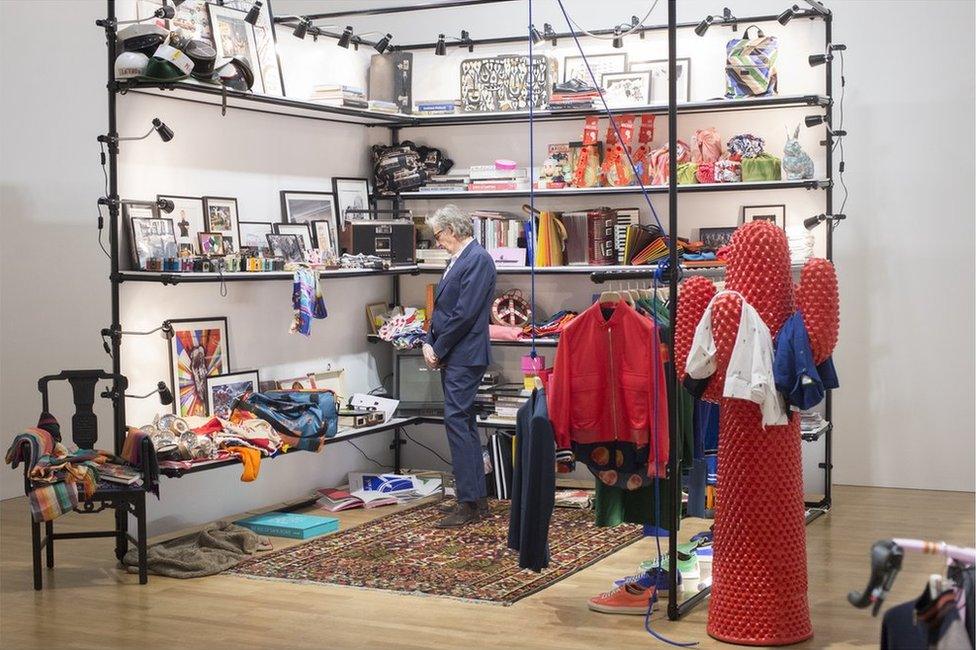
[759, 576]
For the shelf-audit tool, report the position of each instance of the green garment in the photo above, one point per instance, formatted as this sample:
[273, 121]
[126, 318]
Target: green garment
[615, 506]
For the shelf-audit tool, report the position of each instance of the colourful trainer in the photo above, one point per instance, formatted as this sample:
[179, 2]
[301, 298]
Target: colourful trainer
[631, 598]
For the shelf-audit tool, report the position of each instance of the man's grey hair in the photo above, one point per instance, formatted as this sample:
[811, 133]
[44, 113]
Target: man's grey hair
[453, 218]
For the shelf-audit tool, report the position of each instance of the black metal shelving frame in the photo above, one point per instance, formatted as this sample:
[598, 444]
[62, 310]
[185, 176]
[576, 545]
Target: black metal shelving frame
[280, 106]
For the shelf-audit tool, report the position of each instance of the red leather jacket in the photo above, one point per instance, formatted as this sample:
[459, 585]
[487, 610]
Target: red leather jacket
[608, 395]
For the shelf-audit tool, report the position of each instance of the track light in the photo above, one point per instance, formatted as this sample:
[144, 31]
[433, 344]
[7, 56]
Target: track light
[811, 222]
[535, 35]
[787, 15]
[165, 395]
[549, 33]
[253, 13]
[815, 9]
[820, 59]
[383, 43]
[466, 40]
[813, 120]
[618, 41]
[166, 329]
[441, 48]
[702, 27]
[165, 133]
[301, 29]
[345, 38]
[165, 205]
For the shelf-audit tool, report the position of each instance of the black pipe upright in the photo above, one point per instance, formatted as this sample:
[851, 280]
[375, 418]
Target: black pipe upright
[828, 404]
[674, 468]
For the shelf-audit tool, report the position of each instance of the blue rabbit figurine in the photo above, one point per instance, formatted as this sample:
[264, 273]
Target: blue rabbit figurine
[797, 164]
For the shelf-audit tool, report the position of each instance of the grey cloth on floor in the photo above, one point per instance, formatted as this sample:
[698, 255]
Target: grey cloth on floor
[218, 547]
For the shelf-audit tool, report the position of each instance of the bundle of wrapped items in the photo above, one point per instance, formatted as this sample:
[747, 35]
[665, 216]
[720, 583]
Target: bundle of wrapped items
[800, 241]
[405, 331]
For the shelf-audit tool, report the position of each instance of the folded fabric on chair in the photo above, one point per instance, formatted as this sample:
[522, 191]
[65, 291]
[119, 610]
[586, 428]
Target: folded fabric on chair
[218, 547]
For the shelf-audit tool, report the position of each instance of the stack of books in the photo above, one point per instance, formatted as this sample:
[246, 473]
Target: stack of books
[487, 178]
[339, 95]
[484, 399]
[508, 399]
[564, 101]
[435, 107]
[452, 182]
[290, 524]
[381, 106]
[495, 229]
[122, 474]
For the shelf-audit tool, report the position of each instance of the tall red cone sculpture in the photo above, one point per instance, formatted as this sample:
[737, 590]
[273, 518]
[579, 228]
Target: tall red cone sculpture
[759, 574]
[818, 301]
[693, 298]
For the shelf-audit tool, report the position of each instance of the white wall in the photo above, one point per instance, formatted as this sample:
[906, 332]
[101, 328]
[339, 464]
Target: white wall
[904, 416]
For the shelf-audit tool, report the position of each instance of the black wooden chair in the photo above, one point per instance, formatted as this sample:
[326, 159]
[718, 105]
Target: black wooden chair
[123, 499]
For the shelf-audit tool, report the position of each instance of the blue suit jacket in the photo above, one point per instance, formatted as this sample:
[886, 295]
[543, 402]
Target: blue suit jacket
[462, 310]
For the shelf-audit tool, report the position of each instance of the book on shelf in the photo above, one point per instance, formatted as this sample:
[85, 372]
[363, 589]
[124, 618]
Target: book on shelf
[497, 186]
[383, 106]
[442, 188]
[490, 173]
[290, 524]
[446, 105]
[342, 103]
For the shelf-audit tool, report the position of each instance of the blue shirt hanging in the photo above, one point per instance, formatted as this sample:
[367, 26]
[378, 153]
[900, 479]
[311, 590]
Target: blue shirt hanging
[802, 382]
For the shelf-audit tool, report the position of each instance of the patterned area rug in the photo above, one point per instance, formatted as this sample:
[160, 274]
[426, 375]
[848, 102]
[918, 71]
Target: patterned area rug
[404, 552]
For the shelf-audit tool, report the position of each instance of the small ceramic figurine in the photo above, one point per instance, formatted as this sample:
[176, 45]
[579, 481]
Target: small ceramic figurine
[797, 163]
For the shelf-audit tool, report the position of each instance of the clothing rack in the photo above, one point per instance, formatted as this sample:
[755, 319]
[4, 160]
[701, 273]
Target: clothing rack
[290, 108]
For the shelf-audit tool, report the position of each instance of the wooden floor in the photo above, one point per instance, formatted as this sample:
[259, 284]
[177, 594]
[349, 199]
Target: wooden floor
[89, 603]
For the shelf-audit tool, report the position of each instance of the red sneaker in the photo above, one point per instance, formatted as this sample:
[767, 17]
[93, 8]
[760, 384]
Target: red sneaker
[629, 598]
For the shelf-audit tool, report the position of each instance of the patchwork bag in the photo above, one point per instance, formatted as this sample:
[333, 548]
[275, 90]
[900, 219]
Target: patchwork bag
[764, 167]
[750, 65]
[302, 417]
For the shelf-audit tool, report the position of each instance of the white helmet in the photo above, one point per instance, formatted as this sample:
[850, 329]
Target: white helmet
[130, 65]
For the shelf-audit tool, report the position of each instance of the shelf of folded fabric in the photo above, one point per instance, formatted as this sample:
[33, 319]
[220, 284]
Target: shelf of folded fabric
[709, 106]
[810, 184]
[173, 277]
[815, 434]
[527, 343]
[342, 436]
[212, 95]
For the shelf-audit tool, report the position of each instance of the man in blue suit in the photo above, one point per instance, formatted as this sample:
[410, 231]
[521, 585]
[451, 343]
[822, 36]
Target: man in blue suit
[458, 345]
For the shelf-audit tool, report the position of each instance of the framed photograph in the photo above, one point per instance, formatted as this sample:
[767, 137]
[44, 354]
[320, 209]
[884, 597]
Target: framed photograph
[374, 316]
[192, 21]
[300, 230]
[306, 207]
[659, 79]
[774, 213]
[221, 216]
[626, 88]
[199, 349]
[152, 238]
[132, 210]
[325, 236]
[211, 243]
[288, 247]
[268, 59]
[188, 217]
[715, 237]
[252, 234]
[223, 390]
[233, 36]
[351, 193]
[574, 68]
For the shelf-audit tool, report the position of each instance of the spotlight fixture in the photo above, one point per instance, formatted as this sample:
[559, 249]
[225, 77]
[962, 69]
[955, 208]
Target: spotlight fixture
[345, 38]
[466, 40]
[787, 15]
[165, 134]
[549, 33]
[253, 13]
[441, 48]
[165, 205]
[382, 44]
[815, 9]
[166, 329]
[165, 395]
[815, 120]
[535, 35]
[301, 29]
[618, 41]
[811, 222]
[820, 59]
[702, 27]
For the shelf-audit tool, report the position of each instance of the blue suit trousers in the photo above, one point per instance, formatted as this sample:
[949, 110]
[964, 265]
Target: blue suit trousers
[460, 385]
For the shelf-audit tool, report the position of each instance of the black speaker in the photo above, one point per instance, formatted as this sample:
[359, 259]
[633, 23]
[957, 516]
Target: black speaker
[391, 240]
[391, 79]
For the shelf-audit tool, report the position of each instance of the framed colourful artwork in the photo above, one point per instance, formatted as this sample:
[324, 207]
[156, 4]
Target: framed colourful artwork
[198, 350]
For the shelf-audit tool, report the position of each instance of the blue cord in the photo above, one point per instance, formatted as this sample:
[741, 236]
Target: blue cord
[613, 122]
[532, 319]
